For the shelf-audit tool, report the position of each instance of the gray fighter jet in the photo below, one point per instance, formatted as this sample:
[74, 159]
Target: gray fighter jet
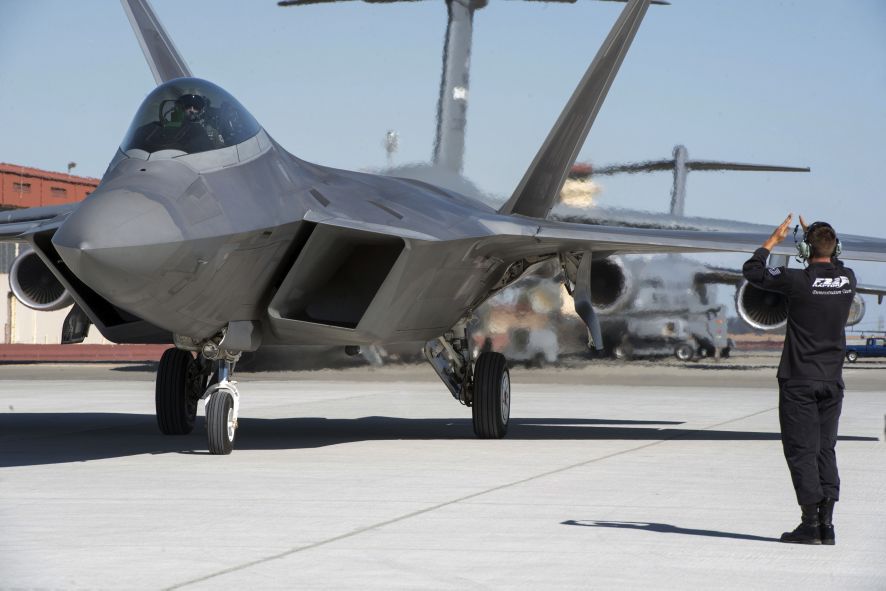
[206, 234]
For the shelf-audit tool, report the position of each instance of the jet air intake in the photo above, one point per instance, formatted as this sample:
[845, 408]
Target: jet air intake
[765, 310]
[34, 285]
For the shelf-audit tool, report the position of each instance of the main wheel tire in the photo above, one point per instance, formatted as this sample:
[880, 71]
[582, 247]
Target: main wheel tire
[174, 396]
[491, 407]
[852, 356]
[220, 427]
[683, 352]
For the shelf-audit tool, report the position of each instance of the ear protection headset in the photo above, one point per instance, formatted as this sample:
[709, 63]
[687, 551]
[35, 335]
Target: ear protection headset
[804, 248]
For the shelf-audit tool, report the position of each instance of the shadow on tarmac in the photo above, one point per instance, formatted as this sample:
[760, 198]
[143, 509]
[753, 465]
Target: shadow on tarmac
[146, 367]
[51, 438]
[665, 528]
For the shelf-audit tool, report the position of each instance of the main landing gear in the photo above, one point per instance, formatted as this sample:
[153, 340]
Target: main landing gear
[183, 380]
[484, 384]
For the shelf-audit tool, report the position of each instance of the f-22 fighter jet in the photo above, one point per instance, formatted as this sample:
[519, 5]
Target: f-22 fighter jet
[206, 234]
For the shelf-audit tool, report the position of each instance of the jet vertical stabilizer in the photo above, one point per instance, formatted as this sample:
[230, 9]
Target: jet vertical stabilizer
[162, 56]
[452, 107]
[540, 188]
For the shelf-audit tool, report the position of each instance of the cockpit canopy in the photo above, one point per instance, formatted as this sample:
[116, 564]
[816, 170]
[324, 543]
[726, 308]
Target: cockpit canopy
[189, 115]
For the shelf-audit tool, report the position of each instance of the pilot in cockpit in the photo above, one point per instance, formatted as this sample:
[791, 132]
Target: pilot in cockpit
[190, 116]
[195, 110]
[193, 106]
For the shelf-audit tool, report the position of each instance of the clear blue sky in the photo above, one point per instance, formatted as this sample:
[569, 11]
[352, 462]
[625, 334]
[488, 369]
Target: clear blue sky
[799, 82]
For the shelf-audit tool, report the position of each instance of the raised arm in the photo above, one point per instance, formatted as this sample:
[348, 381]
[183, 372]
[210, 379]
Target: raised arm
[755, 269]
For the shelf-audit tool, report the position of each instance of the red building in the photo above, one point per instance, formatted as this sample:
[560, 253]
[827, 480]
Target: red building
[21, 186]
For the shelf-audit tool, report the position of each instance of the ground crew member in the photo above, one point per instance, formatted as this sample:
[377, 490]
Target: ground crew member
[810, 378]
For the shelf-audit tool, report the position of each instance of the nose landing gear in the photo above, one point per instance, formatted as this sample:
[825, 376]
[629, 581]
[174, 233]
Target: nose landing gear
[222, 409]
[182, 381]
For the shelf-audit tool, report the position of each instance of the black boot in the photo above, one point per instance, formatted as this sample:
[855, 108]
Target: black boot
[808, 531]
[826, 519]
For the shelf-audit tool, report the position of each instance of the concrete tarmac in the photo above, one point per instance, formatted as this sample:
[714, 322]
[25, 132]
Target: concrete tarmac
[617, 476]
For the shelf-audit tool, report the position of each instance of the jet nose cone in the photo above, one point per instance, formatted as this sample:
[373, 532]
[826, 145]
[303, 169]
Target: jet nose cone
[116, 242]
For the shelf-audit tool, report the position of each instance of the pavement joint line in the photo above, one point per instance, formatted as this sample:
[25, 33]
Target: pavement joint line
[387, 522]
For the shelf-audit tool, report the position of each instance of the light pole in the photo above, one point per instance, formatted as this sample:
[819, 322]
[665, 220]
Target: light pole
[392, 142]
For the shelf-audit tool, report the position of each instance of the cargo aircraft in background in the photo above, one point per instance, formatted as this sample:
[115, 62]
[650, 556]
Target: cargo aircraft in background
[642, 300]
[206, 234]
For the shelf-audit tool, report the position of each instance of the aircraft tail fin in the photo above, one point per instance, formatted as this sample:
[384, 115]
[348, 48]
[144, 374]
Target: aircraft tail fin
[540, 187]
[160, 52]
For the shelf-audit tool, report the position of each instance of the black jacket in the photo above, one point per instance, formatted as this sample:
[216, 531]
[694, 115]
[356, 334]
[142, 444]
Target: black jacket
[819, 298]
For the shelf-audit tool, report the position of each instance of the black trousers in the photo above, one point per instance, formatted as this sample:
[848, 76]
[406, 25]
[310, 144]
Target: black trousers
[809, 412]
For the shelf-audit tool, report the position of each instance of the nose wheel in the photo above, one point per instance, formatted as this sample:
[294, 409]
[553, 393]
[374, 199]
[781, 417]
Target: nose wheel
[222, 409]
[221, 417]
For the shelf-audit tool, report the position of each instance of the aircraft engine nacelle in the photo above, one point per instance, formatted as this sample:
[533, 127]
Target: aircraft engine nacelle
[856, 310]
[34, 285]
[611, 285]
[768, 310]
[765, 310]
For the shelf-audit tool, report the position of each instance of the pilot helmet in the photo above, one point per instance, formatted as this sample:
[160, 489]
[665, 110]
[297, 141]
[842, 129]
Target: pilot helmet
[192, 105]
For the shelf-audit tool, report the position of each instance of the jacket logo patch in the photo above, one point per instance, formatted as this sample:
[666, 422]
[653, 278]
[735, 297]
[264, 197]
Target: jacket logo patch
[774, 271]
[832, 283]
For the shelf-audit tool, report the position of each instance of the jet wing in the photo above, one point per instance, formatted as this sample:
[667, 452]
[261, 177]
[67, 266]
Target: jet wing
[876, 290]
[614, 216]
[525, 237]
[16, 223]
[719, 275]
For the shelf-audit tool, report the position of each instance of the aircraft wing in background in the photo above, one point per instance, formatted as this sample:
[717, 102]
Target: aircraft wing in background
[876, 290]
[17, 223]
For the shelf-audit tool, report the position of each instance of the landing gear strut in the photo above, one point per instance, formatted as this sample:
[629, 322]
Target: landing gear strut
[222, 408]
[484, 384]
